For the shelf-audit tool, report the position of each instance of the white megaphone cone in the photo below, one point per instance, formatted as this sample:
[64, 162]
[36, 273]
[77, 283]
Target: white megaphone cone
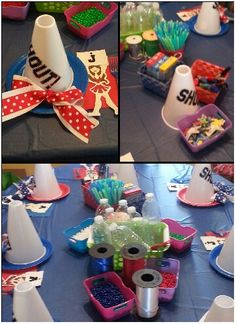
[28, 305]
[200, 189]
[221, 310]
[47, 64]
[208, 20]
[182, 98]
[25, 243]
[47, 186]
[125, 172]
[225, 259]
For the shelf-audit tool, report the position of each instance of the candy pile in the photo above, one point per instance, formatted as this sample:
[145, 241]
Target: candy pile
[203, 129]
[168, 280]
[108, 294]
[83, 234]
[88, 17]
[211, 84]
[177, 236]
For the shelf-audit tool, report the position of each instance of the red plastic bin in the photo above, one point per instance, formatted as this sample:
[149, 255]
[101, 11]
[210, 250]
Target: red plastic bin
[117, 311]
[89, 200]
[15, 12]
[208, 110]
[206, 69]
[87, 32]
[187, 231]
[165, 265]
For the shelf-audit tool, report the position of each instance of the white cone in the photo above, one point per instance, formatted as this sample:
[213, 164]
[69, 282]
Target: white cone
[47, 64]
[200, 189]
[221, 310]
[26, 245]
[226, 258]
[28, 305]
[182, 98]
[125, 172]
[208, 21]
[47, 186]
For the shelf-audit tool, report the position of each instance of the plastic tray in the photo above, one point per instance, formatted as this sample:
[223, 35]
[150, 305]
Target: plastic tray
[206, 69]
[108, 8]
[165, 265]
[187, 231]
[57, 6]
[15, 12]
[209, 110]
[79, 246]
[117, 311]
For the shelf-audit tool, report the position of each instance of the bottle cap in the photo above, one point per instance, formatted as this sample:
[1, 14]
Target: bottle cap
[103, 201]
[131, 209]
[113, 227]
[109, 210]
[149, 196]
[99, 219]
[123, 202]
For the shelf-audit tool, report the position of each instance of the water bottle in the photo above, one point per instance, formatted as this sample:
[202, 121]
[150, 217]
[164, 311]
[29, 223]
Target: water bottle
[158, 15]
[132, 212]
[148, 14]
[101, 232]
[129, 11]
[122, 235]
[151, 210]
[103, 205]
[109, 214]
[141, 18]
[122, 206]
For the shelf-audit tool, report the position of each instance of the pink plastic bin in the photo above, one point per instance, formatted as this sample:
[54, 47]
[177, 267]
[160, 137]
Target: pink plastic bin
[87, 32]
[187, 231]
[15, 12]
[165, 265]
[115, 312]
[208, 110]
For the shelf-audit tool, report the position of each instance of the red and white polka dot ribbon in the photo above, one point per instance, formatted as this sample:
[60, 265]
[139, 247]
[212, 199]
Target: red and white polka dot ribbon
[26, 95]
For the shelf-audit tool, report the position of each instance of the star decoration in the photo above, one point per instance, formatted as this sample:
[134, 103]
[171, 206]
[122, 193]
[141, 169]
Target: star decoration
[214, 128]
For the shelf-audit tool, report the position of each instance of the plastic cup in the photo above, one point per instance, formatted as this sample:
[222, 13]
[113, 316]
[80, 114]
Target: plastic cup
[225, 259]
[47, 64]
[28, 305]
[26, 245]
[208, 21]
[47, 186]
[221, 310]
[125, 172]
[182, 98]
[200, 189]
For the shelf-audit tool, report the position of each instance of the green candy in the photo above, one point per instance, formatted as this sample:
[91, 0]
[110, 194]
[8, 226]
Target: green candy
[89, 17]
[177, 236]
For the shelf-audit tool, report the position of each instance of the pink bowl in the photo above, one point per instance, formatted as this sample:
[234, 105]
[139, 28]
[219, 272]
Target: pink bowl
[15, 12]
[187, 231]
[87, 32]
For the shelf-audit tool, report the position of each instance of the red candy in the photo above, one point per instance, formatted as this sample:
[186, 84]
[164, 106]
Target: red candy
[169, 280]
[13, 4]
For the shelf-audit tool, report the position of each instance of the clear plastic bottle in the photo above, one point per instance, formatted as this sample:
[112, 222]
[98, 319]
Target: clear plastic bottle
[148, 10]
[101, 232]
[109, 214]
[151, 209]
[122, 235]
[122, 206]
[132, 212]
[129, 11]
[141, 18]
[158, 15]
[103, 205]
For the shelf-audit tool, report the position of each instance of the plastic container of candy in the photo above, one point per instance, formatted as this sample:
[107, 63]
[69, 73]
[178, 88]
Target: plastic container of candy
[117, 311]
[78, 245]
[210, 111]
[181, 237]
[107, 8]
[12, 10]
[206, 69]
[168, 266]
[57, 6]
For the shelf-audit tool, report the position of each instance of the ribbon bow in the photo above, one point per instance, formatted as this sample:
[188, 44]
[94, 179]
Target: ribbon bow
[26, 95]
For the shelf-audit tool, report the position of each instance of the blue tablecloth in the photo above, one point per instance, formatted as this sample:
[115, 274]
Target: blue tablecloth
[62, 288]
[143, 132]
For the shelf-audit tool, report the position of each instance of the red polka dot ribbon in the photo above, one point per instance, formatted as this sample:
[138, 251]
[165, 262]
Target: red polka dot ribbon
[26, 95]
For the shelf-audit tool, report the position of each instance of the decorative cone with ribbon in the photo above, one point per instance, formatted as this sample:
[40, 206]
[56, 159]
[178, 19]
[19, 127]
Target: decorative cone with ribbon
[208, 20]
[221, 310]
[200, 189]
[48, 77]
[28, 305]
[182, 99]
[225, 259]
[25, 243]
[46, 183]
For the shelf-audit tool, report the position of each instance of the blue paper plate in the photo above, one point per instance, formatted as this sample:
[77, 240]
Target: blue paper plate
[80, 79]
[10, 266]
[212, 259]
[192, 22]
